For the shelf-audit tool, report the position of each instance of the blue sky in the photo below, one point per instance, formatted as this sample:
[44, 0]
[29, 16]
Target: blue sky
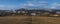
[16, 4]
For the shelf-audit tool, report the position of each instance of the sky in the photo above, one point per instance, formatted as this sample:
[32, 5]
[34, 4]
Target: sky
[31, 4]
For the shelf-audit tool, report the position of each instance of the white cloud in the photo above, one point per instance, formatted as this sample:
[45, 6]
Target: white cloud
[52, 7]
[2, 6]
[36, 4]
[55, 5]
[29, 4]
[6, 7]
[41, 4]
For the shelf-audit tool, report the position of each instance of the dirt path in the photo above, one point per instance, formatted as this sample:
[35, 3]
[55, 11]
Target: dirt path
[15, 20]
[45, 20]
[29, 20]
[38, 21]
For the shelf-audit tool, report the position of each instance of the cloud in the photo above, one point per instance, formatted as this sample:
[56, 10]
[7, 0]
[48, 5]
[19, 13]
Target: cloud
[35, 4]
[7, 7]
[2, 6]
[41, 5]
[55, 5]
[29, 4]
